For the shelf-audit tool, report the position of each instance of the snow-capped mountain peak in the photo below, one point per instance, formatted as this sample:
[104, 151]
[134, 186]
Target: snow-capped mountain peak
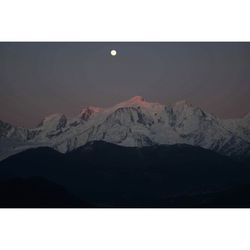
[53, 122]
[183, 103]
[93, 109]
[136, 99]
[134, 122]
[52, 118]
[87, 112]
[139, 102]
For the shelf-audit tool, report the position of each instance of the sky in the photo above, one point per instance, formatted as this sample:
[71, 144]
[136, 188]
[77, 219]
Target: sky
[38, 79]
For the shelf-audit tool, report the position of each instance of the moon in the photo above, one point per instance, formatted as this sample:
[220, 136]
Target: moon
[113, 52]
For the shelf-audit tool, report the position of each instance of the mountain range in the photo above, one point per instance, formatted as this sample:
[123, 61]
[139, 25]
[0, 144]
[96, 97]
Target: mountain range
[132, 123]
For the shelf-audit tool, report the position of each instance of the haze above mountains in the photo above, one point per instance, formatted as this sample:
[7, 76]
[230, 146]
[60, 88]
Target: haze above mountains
[132, 123]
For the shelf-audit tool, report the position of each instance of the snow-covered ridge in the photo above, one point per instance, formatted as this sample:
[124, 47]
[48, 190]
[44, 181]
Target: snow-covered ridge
[134, 122]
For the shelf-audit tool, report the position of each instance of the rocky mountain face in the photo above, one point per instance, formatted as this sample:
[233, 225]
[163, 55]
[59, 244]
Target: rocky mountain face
[133, 123]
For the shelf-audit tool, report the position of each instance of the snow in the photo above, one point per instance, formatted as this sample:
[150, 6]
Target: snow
[134, 122]
[93, 109]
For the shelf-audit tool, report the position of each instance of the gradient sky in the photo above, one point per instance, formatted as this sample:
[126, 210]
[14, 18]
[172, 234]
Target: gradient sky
[38, 79]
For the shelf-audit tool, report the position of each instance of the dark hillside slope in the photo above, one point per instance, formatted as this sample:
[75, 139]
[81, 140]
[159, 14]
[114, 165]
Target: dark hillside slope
[107, 175]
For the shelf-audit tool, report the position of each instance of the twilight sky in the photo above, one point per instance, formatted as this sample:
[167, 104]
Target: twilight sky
[38, 79]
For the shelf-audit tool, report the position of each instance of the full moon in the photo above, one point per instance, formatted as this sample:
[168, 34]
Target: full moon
[113, 52]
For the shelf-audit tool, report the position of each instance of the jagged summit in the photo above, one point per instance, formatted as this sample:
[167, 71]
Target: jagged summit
[51, 119]
[134, 122]
[136, 99]
[90, 109]
[183, 103]
[52, 123]
[87, 112]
